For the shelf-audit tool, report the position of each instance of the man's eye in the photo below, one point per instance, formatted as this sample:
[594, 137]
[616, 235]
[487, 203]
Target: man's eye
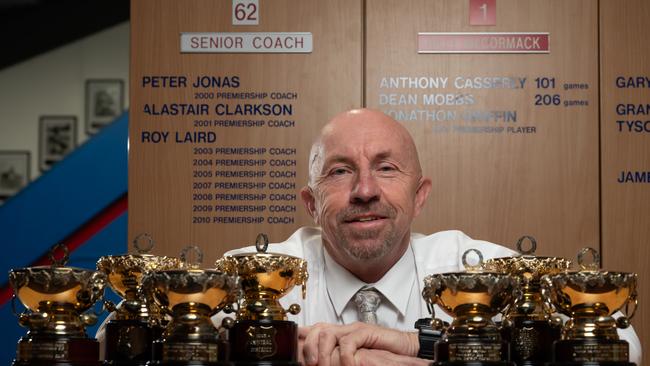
[338, 171]
[386, 168]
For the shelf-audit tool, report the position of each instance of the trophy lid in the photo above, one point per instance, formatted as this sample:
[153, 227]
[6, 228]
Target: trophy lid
[526, 264]
[261, 246]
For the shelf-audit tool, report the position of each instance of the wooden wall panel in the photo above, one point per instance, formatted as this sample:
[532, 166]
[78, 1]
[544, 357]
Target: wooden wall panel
[499, 186]
[328, 80]
[625, 149]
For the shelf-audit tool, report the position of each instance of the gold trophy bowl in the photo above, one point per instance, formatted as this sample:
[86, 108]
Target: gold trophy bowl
[589, 298]
[57, 293]
[192, 287]
[125, 273]
[56, 298]
[191, 296]
[528, 322]
[262, 332]
[471, 298]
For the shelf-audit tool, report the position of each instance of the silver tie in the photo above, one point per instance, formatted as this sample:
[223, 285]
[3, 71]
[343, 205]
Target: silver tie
[367, 300]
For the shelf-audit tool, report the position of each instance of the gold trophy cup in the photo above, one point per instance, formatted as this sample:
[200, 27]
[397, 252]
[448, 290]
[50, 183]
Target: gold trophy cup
[472, 299]
[137, 321]
[590, 297]
[262, 334]
[528, 323]
[191, 296]
[56, 298]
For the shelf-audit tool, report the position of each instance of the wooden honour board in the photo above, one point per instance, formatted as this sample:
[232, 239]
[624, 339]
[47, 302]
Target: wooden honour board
[625, 149]
[536, 174]
[176, 190]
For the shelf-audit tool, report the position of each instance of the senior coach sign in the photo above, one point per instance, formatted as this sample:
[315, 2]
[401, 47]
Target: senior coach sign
[224, 110]
[246, 42]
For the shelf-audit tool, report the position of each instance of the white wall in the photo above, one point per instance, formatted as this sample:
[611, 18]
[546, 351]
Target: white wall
[54, 84]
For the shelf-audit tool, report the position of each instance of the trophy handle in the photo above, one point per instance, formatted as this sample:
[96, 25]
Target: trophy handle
[109, 306]
[23, 318]
[533, 245]
[59, 262]
[294, 309]
[143, 239]
[89, 319]
[635, 302]
[13, 305]
[227, 322]
[624, 321]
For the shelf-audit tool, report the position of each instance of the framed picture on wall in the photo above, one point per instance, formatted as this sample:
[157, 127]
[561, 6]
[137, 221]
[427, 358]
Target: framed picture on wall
[104, 102]
[57, 137]
[14, 172]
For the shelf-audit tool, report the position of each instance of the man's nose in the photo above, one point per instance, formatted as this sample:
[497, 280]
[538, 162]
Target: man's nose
[366, 188]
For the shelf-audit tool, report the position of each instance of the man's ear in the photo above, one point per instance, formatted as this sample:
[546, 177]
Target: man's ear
[309, 201]
[424, 188]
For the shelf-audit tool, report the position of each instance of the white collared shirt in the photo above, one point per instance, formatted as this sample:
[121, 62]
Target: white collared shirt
[396, 289]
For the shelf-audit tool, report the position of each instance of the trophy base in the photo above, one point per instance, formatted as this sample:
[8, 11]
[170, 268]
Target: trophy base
[474, 363]
[264, 342]
[129, 342]
[58, 351]
[126, 363]
[472, 353]
[268, 363]
[531, 341]
[607, 363]
[55, 363]
[568, 352]
[189, 363]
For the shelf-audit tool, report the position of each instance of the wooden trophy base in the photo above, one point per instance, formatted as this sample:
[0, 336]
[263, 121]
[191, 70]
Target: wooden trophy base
[57, 351]
[472, 353]
[129, 343]
[264, 342]
[591, 352]
[190, 353]
[531, 341]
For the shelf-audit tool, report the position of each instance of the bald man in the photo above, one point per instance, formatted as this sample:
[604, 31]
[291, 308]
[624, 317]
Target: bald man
[365, 188]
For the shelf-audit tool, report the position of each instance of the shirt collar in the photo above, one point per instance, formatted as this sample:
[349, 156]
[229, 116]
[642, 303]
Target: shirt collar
[342, 285]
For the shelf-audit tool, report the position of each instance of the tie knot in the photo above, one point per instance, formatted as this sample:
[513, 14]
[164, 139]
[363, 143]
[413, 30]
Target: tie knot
[367, 300]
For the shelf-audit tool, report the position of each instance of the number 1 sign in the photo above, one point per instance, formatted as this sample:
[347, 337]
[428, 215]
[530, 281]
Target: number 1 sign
[245, 12]
[483, 12]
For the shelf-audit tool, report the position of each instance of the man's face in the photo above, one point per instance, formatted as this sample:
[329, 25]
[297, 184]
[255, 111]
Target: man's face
[366, 188]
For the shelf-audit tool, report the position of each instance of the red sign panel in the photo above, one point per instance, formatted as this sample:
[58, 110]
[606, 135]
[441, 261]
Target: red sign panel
[483, 12]
[483, 42]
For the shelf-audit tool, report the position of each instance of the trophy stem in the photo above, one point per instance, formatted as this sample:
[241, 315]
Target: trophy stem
[52, 319]
[262, 305]
[191, 338]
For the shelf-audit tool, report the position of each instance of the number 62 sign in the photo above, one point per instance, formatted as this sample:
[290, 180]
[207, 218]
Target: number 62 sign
[245, 12]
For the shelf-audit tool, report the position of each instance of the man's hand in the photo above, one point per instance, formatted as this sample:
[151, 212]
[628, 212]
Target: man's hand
[378, 357]
[322, 343]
